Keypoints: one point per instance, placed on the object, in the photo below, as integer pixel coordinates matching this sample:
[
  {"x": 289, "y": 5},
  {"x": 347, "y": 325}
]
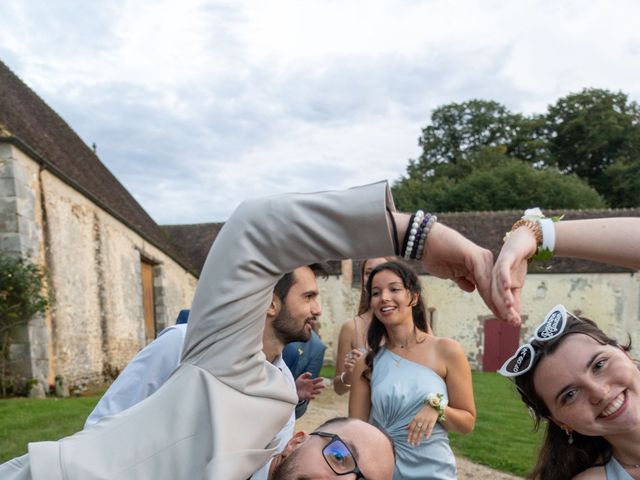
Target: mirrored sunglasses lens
[
  {"x": 339, "y": 457},
  {"x": 552, "y": 327},
  {"x": 521, "y": 361}
]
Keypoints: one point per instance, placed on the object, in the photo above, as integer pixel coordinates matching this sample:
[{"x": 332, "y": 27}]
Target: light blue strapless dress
[{"x": 398, "y": 390}]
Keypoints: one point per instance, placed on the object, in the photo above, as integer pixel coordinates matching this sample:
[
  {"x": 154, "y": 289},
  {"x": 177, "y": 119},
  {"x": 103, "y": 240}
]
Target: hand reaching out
[
  {"x": 509, "y": 272},
  {"x": 448, "y": 254},
  {"x": 308, "y": 388}
]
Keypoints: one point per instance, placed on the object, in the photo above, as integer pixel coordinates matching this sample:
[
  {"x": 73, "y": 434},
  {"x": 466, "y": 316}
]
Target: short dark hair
[{"x": 283, "y": 286}]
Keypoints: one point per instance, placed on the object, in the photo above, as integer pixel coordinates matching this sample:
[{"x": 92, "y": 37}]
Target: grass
[
  {"x": 503, "y": 437},
  {"x": 328, "y": 371},
  {"x": 25, "y": 420}
]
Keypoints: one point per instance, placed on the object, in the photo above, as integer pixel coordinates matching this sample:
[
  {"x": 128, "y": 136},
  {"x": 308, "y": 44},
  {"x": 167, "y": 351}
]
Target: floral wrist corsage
[{"x": 438, "y": 403}]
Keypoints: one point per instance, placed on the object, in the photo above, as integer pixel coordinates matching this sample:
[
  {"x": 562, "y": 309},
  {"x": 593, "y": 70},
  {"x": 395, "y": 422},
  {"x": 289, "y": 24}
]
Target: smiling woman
[
  {"x": 587, "y": 388},
  {"x": 413, "y": 385}
]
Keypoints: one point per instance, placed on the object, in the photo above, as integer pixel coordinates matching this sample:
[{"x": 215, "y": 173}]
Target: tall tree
[
  {"x": 596, "y": 134},
  {"x": 457, "y": 130},
  {"x": 497, "y": 182}
]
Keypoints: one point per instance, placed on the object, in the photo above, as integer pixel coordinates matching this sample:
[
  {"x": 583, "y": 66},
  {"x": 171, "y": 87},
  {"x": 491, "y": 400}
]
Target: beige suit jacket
[{"x": 217, "y": 415}]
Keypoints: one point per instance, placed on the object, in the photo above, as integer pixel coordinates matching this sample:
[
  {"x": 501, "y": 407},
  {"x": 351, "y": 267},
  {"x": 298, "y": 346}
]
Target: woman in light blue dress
[{"x": 413, "y": 385}]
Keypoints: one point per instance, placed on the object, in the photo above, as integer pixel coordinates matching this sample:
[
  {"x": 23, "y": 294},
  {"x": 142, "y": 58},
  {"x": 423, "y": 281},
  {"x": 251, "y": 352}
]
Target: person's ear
[
  {"x": 414, "y": 299},
  {"x": 298, "y": 439},
  {"x": 562, "y": 426},
  {"x": 274, "y": 307}
]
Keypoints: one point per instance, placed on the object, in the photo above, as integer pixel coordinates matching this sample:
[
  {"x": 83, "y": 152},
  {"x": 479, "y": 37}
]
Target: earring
[{"x": 569, "y": 435}]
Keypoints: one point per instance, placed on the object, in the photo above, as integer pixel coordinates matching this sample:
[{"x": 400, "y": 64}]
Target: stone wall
[
  {"x": 612, "y": 300},
  {"x": 21, "y": 235},
  {"x": 93, "y": 264}
]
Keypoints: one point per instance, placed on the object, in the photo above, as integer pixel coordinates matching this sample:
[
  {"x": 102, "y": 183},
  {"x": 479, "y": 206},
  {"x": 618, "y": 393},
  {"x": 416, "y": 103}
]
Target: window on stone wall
[{"x": 148, "y": 300}]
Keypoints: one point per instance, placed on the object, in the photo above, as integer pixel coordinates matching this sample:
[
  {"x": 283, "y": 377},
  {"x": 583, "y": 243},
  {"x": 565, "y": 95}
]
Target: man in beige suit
[{"x": 233, "y": 402}]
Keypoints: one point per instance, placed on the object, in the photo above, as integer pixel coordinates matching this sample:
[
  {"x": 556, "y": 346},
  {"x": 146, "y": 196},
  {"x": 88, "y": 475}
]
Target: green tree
[
  {"x": 458, "y": 130},
  {"x": 498, "y": 182},
  {"x": 596, "y": 135},
  {"x": 21, "y": 297}
]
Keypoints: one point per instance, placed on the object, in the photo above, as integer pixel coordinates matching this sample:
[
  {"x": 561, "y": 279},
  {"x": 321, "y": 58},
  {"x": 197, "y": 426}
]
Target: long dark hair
[
  {"x": 557, "y": 459},
  {"x": 377, "y": 331}
]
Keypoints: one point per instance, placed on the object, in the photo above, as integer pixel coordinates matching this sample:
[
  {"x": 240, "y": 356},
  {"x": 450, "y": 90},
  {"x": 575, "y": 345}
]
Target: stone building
[{"x": 117, "y": 279}]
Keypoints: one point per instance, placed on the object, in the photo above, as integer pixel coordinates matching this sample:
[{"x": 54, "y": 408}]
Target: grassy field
[
  {"x": 24, "y": 420},
  {"x": 502, "y": 438}
]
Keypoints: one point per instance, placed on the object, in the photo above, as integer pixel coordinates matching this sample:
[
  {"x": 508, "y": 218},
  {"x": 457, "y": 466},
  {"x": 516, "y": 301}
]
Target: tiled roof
[
  {"x": 193, "y": 240},
  {"x": 29, "y": 123}
]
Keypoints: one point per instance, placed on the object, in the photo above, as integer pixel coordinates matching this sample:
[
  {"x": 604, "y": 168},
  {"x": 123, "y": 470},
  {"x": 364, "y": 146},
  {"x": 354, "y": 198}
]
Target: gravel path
[{"x": 329, "y": 405}]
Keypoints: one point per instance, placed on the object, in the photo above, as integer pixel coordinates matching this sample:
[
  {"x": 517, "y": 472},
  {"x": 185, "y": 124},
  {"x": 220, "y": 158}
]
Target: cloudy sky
[{"x": 196, "y": 105}]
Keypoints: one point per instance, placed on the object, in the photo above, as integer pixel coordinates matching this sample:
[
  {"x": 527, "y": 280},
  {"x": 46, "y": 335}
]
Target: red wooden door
[{"x": 500, "y": 341}]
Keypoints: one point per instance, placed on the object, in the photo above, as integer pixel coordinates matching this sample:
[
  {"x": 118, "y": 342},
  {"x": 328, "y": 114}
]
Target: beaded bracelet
[
  {"x": 414, "y": 225},
  {"x": 420, "y": 224},
  {"x": 432, "y": 220}
]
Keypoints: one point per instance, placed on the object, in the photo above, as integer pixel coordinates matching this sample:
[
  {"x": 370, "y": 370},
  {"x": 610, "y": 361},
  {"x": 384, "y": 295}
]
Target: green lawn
[
  {"x": 502, "y": 439},
  {"x": 24, "y": 420}
]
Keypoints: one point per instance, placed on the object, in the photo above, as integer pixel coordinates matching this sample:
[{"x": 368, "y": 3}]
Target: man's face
[
  {"x": 300, "y": 308},
  {"x": 372, "y": 450}
]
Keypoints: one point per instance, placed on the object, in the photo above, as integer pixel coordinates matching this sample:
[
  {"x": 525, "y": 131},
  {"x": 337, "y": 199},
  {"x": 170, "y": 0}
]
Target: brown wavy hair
[{"x": 557, "y": 459}]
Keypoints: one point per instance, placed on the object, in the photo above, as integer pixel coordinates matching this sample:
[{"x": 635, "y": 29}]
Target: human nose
[
  {"x": 316, "y": 308},
  {"x": 598, "y": 391}
]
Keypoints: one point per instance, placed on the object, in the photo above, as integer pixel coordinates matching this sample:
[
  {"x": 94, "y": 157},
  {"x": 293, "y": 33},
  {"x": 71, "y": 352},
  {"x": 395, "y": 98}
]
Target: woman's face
[
  {"x": 391, "y": 301},
  {"x": 369, "y": 265},
  {"x": 591, "y": 388}
]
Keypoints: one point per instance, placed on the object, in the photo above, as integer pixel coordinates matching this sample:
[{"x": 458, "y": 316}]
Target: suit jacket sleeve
[
  {"x": 262, "y": 240},
  {"x": 148, "y": 370}
]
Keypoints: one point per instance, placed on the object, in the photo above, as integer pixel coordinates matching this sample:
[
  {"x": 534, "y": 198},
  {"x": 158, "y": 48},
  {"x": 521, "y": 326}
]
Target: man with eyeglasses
[
  {"x": 344, "y": 448},
  {"x": 232, "y": 401}
]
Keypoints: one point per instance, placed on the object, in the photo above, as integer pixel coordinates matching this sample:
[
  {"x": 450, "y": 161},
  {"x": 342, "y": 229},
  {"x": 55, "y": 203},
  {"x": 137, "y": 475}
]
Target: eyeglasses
[
  {"x": 338, "y": 456},
  {"x": 523, "y": 360}
]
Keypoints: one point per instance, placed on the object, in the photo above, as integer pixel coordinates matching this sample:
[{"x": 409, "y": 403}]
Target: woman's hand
[
  {"x": 350, "y": 360},
  {"x": 509, "y": 272},
  {"x": 422, "y": 425}
]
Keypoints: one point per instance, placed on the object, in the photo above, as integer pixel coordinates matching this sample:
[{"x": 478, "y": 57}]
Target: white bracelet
[
  {"x": 548, "y": 234},
  {"x": 342, "y": 380}
]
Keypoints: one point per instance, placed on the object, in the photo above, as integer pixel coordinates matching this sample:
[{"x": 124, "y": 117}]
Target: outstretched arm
[
  {"x": 609, "y": 240},
  {"x": 448, "y": 254}
]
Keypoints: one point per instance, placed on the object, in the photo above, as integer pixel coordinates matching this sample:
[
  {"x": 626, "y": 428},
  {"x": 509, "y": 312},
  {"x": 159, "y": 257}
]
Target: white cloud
[{"x": 197, "y": 104}]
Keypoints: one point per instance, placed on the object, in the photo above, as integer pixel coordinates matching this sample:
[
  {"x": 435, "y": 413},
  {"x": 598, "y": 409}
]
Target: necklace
[
  {"x": 628, "y": 465},
  {"x": 395, "y": 357}
]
